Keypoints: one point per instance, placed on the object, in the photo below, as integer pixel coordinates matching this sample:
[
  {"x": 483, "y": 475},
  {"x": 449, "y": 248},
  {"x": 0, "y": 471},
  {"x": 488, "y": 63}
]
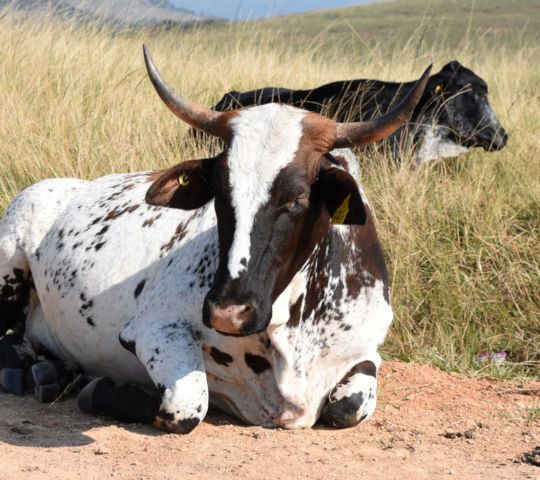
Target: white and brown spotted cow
[{"x": 219, "y": 281}]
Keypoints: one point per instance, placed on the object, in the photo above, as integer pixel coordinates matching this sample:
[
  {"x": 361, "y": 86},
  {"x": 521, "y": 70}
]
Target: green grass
[
  {"x": 461, "y": 235},
  {"x": 385, "y": 29}
]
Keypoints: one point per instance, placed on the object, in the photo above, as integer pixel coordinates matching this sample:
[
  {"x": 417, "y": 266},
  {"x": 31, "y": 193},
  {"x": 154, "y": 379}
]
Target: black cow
[{"x": 453, "y": 115}]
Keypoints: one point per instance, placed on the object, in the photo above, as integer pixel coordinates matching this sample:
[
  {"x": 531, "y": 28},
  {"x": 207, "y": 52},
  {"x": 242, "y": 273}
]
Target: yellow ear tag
[
  {"x": 341, "y": 212},
  {"x": 438, "y": 89},
  {"x": 183, "y": 180}
]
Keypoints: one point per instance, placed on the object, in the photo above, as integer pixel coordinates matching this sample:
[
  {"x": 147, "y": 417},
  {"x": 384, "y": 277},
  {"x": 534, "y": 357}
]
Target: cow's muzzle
[
  {"x": 231, "y": 319},
  {"x": 497, "y": 141}
]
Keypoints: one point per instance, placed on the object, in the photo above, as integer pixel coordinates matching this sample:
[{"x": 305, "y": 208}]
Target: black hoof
[
  {"x": 44, "y": 372},
  {"x": 12, "y": 380},
  {"x": 87, "y": 399},
  {"x": 9, "y": 358},
  {"x": 29, "y": 382},
  {"x": 47, "y": 393},
  {"x": 344, "y": 412}
]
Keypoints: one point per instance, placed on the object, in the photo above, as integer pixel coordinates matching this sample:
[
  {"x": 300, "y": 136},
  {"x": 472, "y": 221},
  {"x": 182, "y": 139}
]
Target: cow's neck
[{"x": 300, "y": 333}]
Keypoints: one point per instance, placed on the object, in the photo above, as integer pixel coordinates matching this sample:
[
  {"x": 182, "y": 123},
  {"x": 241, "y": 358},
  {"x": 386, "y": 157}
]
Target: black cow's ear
[
  {"x": 445, "y": 80},
  {"x": 448, "y": 75},
  {"x": 342, "y": 197},
  {"x": 451, "y": 67},
  {"x": 188, "y": 185}
]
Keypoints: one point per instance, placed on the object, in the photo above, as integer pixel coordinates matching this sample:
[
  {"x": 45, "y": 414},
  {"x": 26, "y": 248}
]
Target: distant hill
[
  {"x": 129, "y": 12},
  {"x": 383, "y": 27}
]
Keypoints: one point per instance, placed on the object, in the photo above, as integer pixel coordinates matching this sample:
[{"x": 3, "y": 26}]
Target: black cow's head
[
  {"x": 457, "y": 97},
  {"x": 275, "y": 189}
]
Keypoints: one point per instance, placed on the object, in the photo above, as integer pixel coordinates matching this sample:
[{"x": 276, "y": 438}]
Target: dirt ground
[{"x": 428, "y": 425}]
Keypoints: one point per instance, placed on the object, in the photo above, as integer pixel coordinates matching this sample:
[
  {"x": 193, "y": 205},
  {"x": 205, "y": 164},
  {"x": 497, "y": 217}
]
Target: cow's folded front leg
[
  {"x": 172, "y": 354},
  {"x": 127, "y": 403},
  {"x": 354, "y": 398}
]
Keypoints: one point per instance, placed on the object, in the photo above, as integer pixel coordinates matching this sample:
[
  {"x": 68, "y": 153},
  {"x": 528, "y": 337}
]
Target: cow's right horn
[
  {"x": 360, "y": 133},
  {"x": 198, "y": 117}
]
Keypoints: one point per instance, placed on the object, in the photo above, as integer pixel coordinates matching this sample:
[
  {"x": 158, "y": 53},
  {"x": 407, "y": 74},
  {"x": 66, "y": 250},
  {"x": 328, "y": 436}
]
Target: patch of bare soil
[{"x": 428, "y": 425}]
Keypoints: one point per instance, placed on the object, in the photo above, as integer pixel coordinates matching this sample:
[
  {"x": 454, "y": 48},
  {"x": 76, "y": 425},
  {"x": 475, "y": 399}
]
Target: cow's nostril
[{"x": 229, "y": 318}]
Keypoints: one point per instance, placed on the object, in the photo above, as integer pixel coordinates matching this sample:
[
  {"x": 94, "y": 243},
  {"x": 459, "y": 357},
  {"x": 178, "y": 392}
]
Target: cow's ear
[
  {"x": 451, "y": 67},
  {"x": 342, "y": 197},
  {"x": 187, "y": 185},
  {"x": 447, "y": 77}
]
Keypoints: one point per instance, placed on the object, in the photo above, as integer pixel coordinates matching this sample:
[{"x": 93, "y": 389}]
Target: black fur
[{"x": 455, "y": 99}]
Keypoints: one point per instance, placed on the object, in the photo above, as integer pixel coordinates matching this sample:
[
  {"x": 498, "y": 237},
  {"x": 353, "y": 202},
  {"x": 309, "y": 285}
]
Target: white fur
[
  {"x": 265, "y": 141},
  {"x": 435, "y": 146},
  {"x": 489, "y": 113}
]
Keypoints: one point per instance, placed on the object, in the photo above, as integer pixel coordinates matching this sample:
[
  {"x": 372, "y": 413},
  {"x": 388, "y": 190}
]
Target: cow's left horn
[
  {"x": 361, "y": 133},
  {"x": 193, "y": 114}
]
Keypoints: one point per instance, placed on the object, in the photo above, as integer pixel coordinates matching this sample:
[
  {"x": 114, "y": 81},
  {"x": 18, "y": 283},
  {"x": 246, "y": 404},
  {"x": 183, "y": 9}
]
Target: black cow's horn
[
  {"x": 193, "y": 114},
  {"x": 360, "y": 133}
]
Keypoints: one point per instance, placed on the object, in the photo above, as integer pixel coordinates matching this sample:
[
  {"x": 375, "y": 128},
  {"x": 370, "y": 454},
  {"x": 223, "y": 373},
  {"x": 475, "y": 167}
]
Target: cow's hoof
[
  {"x": 345, "y": 413},
  {"x": 9, "y": 358},
  {"x": 12, "y": 380},
  {"x": 181, "y": 427},
  {"x": 47, "y": 393},
  {"x": 29, "y": 382},
  {"x": 88, "y": 399},
  {"x": 44, "y": 373}
]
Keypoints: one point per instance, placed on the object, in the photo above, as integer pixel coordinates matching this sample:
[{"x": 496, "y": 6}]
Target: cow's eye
[
  {"x": 438, "y": 89},
  {"x": 183, "y": 180},
  {"x": 299, "y": 205}
]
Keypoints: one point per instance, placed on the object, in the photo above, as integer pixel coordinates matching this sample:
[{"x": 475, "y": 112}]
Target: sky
[{"x": 251, "y": 9}]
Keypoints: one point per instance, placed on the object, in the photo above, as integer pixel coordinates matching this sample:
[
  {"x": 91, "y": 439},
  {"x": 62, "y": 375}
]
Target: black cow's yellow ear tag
[
  {"x": 438, "y": 88},
  {"x": 341, "y": 212}
]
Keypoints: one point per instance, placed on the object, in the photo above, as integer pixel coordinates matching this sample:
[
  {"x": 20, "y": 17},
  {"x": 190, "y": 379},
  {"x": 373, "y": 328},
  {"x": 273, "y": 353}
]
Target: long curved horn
[
  {"x": 360, "y": 133},
  {"x": 193, "y": 114}
]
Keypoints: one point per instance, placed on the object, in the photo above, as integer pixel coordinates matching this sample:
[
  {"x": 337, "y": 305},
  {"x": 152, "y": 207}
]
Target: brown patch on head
[
  {"x": 317, "y": 140},
  {"x": 151, "y": 176},
  {"x": 319, "y": 131},
  {"x": 224, "y": 130}
]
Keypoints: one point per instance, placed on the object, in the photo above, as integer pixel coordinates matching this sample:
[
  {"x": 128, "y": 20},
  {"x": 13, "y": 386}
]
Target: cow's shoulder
[{"x": 109, "y": 235}]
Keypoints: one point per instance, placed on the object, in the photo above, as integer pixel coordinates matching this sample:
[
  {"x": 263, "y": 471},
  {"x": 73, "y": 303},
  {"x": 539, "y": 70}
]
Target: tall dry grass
[{"x": 461, "y": 235}]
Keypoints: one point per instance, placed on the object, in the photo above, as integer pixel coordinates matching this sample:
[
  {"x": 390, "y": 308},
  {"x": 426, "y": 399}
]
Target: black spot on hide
[
  {"x": 220, "y": 357},
  {"x": 139, "y": 288},
  {"x": 257, "y": 363},
  {"x": 14, "y": 298}
]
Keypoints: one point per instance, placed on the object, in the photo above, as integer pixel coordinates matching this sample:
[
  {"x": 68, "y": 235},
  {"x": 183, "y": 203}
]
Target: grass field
[{"x": 461, "y": 235}]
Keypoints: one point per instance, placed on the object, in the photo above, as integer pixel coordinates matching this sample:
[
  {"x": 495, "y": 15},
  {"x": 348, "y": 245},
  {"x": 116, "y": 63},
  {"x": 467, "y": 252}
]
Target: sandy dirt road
[{"x": 428, "y": 425}]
